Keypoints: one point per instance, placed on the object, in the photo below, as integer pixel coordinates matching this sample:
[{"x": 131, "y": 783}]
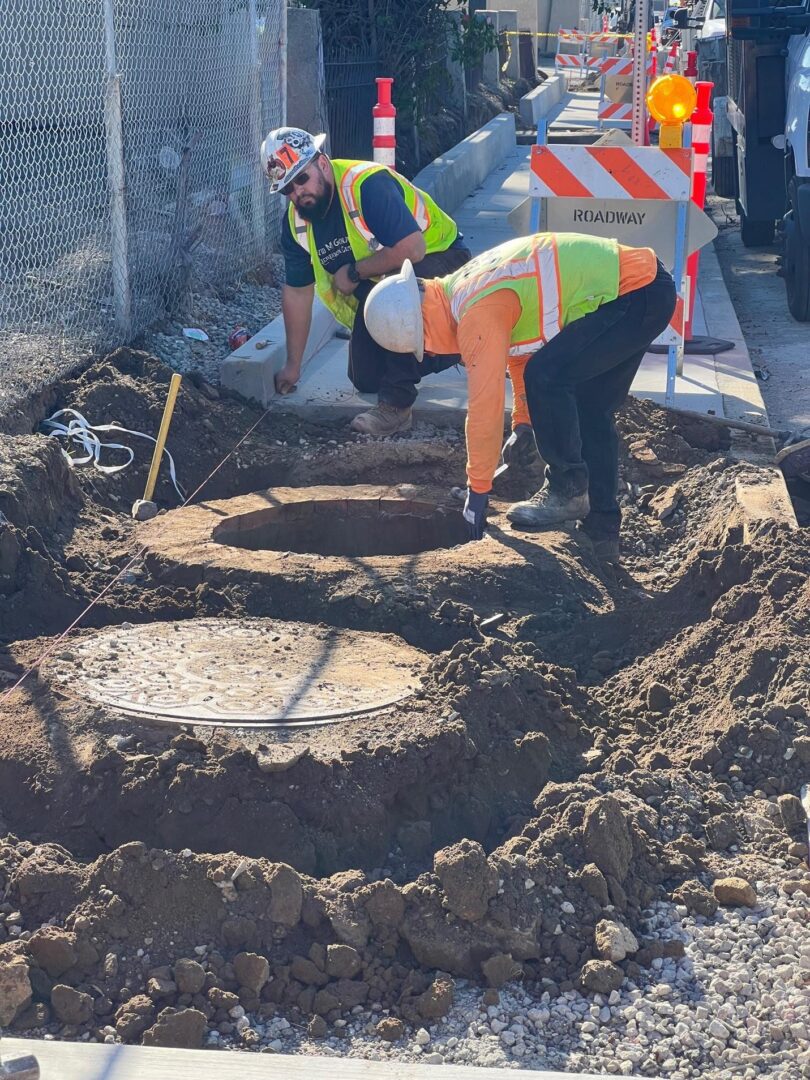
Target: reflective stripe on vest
[
  {"x": 349, "y": 190},
  {"x": 542, "y": 265}
]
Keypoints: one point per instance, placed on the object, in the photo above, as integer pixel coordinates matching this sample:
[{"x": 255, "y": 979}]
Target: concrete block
[
  {"x": 508, "y": 25},
  {"x": 450, "y": 178},
  {"x": 539, "y": 102},
  {"x": 491, "y": 64},
  {"x": 249, "y": 370}
]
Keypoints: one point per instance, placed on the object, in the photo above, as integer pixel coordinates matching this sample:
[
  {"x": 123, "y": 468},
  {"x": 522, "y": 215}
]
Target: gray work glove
[{"x": 520, "y": 449}]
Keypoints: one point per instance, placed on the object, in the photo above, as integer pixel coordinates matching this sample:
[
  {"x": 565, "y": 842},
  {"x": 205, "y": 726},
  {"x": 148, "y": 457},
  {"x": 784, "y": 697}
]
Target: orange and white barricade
[
  {"x": 610, "y": 112},
  {"x": 624, "y": 186}
]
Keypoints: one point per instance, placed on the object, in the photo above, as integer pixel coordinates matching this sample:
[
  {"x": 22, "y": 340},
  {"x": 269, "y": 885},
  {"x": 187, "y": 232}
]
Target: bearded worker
[
  {"x": 570, "y": 317},
  {"x": 348, "y": 223}
]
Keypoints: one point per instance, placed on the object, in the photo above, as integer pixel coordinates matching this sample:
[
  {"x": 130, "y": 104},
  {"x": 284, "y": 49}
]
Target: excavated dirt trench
[{"x": 496, "y": 791}]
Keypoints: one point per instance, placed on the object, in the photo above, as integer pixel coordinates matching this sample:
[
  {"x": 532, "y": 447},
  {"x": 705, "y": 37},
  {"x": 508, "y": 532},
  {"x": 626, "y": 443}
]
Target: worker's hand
[
  {"x": 287, "y": 379},
  {"x": 340, "y": 279},
  {"x": 520, "y": 449},
  {"x": 475, "y": 514}
]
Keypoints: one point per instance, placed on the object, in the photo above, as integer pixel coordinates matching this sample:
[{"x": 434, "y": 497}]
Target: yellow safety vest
[
  {"x": 558, "y": 277},
  {"x": 438, "y": 228}
]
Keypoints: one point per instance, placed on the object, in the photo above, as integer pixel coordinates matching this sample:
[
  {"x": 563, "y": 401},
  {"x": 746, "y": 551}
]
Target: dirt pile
[{"x": 623, "y": 737}]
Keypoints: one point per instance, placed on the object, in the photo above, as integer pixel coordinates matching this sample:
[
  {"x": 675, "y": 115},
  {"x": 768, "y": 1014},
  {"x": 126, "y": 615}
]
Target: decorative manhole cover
[{"x": 249, "y": 671}]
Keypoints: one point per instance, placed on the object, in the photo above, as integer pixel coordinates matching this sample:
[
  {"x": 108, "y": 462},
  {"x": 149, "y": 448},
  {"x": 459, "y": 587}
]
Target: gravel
[{"x": 736, "y": 1006}]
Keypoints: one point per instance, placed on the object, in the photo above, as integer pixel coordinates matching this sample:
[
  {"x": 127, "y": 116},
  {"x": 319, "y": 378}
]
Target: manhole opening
[{"x": 354, "y": 527}]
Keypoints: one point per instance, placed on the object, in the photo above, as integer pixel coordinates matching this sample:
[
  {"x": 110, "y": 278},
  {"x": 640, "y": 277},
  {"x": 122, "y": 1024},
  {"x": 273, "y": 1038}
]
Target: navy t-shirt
[{"x": 385, "y": 212}]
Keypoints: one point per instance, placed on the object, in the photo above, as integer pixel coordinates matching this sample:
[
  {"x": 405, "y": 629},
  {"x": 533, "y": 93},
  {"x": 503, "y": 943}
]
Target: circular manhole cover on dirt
[{"x": 244, "y": 672}]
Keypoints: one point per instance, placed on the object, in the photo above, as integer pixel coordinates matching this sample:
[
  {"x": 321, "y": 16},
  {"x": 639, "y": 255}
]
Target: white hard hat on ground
[
  {"x": 393, "y": 313},
  {"x": 286, "y": 151}
]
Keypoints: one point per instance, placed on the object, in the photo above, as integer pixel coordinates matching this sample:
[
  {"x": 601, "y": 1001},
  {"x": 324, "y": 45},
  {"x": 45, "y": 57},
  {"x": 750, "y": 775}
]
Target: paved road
[{"x": 779, "y": 346}]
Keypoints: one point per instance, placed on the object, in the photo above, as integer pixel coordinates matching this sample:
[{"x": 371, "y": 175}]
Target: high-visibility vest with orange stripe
[
  {"x": 558, "y": 277},
  {"x": 438, "y": 229}
]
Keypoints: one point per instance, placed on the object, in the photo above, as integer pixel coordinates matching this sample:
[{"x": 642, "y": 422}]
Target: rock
[
  {"x": 349, "y": 992},
  {"x": 613, "y": 941},
  {"x": 134, "y": 1017},
  {"x": 469, "y": 882},
  {"x": 792, "y": 811},
  {"x": 71, "y": 1006},
  {"x": 501, "y": 969},
  {"x": 15, "y": 989},
  {"x": 696, "y": 898},
  {"x": 282, "y": 757},
  {"x": 286, "y": 895},
  {"x": 607, "y": 837},
  {"x": 802, "y": 747},
  {"x": 182, "y": 1029},
  {"x": 600, "y": 977},
  {"x": 342, "y": 961},
  {"x": 390, "y": 1029},
  {"x": 385, "y": 903},
  {"x": 664, "y": 503},
  {"x": 437, "y": 1000},
  {"x": 722, "y": 832},
  {"x": 189, "y": 976},
  {"x": 159, "y": 987},
  {"x": 325, "y": 1002},
  {"x": 54, "y": 950},
  {"x": 252, "y": 971},
  {"x": 317, "y": 1028},
  {"x": 734, "y": 892},
  {"x": 593, "y": 882},
  {"x": 659, "y": 698},
  {"x": 305, "y": 971}
]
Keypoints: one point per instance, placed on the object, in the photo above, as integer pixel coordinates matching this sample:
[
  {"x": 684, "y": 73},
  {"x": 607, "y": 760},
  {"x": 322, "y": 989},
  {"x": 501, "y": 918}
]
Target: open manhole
[
  {"x": 356, "y": 527},
  {"x": 246, "y": 672}
]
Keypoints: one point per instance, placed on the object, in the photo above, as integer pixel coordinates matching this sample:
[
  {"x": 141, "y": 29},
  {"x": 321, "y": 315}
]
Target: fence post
[
  {"x": 640, "y": 72},
  {"x": 116, "y": 177},
  {"x": 384, "y": 140},
  {"x": 257, "y": 185}
]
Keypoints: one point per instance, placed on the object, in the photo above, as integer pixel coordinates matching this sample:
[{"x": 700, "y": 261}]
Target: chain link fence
[{"x": 129, "y": 162}]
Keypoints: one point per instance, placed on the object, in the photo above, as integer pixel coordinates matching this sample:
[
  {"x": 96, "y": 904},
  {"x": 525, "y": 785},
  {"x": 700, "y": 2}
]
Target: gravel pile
[
  {"x": 251, "y": 305},
  {"x": 734, "y": 1006}
]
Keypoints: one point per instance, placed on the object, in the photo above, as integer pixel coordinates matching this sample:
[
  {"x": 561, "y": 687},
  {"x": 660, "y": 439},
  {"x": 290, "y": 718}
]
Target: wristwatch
[{"x": 352, "y": 274}]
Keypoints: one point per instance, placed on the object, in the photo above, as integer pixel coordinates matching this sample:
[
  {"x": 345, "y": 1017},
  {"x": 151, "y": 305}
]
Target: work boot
[
  {"x": 603, "y": 532},
  {"x": 547, "y": 507},
  {"x": 383, "y": 419}
]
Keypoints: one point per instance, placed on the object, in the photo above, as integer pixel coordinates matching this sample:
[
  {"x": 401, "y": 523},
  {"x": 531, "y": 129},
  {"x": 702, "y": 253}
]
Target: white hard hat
[
  {"x": 285, "y": 152},
  {"x": 393, "y": 313}
]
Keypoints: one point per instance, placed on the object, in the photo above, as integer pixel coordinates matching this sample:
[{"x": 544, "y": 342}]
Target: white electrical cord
[{"x": 82, "y": 435}]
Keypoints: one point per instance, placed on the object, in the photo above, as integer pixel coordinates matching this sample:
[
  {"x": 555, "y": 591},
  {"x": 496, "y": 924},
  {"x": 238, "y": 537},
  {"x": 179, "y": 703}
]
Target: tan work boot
[{"x": 382, "y": 420}]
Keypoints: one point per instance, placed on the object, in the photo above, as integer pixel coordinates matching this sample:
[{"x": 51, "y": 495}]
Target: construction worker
[
  {"x": 349, "y": 223},
  {"x": 570, "y": 317}
]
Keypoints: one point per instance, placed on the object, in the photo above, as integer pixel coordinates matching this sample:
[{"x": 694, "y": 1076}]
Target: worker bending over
[
  {"x": 348, "y": 223},
  {"x": 571, "y": 317}
]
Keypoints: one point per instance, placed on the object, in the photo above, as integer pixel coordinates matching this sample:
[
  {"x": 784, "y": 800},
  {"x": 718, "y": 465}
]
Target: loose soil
[{"x": 624, "y": 734}]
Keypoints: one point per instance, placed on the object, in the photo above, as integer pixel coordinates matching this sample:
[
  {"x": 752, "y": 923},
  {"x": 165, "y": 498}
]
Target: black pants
[
  {"x": 393, "y": 376},
  {"x": 575, "y": 383}
]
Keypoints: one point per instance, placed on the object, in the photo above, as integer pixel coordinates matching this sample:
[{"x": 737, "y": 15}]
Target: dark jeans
[
  {"x": 393, "y": 376},
  {"x": 575, "y": 383}
]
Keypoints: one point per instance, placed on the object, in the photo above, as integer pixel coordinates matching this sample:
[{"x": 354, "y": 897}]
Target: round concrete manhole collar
[{"x": 246, "y": 672}]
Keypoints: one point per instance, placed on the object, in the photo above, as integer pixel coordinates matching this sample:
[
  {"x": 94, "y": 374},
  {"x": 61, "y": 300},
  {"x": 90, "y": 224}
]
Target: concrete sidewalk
[{"x": 723, "y": 385}]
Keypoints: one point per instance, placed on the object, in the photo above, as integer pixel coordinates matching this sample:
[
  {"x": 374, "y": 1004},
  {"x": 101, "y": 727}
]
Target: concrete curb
[
  {"x": 249, "y": 370},
  {"x": 539, "y": 102},
  {"x": 449, "y": 179}
]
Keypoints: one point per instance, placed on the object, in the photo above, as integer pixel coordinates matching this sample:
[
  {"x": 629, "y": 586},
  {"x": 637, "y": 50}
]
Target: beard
[{"x": 316, "y": 207}]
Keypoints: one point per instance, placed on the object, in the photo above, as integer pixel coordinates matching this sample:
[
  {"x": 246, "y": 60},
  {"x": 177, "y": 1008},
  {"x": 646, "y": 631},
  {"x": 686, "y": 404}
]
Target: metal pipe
[{"x": 116, "y": 176}]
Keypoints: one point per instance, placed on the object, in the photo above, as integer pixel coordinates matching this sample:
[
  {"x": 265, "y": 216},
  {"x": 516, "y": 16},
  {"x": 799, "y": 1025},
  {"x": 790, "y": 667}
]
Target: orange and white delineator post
[
  {"x": 701, "y": 139},
  {"x": 384, "y": 140}
]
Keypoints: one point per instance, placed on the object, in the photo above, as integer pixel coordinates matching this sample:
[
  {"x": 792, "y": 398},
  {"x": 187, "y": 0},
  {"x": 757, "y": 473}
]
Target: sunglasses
[{"x": 297, "y": 181}]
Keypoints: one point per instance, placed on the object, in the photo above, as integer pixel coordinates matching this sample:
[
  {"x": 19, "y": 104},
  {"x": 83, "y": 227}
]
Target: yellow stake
[{"x": 163, "y": 434}]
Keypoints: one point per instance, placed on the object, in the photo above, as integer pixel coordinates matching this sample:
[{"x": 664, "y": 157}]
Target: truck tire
[
  {"x": 796, "y": 262},
  {"x": 755, "y": 233}
]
